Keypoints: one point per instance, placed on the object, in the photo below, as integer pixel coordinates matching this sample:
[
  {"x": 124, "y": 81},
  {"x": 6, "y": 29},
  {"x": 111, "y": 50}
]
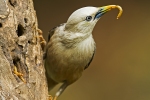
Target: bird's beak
[{"x": 104, "y": 9}]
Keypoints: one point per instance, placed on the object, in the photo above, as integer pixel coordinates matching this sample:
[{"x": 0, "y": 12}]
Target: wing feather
[
  {"x": 90, "y": 59},
  {"x": 50, "y": 34},
  {"x": 52, "y": 31}
]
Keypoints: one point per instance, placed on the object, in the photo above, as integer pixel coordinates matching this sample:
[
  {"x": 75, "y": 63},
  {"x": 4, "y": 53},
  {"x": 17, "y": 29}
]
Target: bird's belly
[{"x": 67, "y": 66}]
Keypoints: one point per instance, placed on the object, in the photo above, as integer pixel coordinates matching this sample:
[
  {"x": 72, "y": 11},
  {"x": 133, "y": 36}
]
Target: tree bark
[{"x": 20, "y": 47}]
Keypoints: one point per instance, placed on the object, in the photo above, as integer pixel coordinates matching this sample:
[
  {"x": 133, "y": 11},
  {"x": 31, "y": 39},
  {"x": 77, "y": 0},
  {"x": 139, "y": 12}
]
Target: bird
[{"x": 71, "y": 47}]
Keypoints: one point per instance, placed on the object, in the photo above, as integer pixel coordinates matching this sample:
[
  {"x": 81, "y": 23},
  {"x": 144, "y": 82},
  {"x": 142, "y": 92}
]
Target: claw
[
  {"x": 50, "y": 97},
  {"x": 42, "y": 40},
  {"x": 20, "y": 75}
]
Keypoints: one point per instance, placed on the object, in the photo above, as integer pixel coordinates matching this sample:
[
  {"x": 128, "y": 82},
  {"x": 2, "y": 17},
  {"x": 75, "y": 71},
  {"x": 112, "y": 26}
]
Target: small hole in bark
[
  {"x": 20, "y": 30},
  {"x": 20, "y": 46},
  {"x": 29, "y": 42},
  {"x": 13, "y": 2},
  {"x": 1, "y": 25},
  {"x": 15, "y": 61},
  {"x": 25, "y": 20},
  {"x": 36, "y": 59}
]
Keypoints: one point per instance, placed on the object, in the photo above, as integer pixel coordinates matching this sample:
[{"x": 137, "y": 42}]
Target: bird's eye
[{"x": 88, "y": 18}]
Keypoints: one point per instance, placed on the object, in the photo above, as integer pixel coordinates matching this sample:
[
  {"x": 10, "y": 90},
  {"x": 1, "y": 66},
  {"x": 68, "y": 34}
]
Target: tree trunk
[{"x": 20, "y": 47}]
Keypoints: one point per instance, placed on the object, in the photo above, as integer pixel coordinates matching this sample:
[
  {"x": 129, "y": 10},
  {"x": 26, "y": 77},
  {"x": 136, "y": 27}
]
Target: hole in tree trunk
[
  {"x": 1, "y": 25},
  {"x": 20, "y": 30},
  {"x": 13, "y": 2},
  {"x": 25, "y": 20},
  {"x": 36, "y": 59},
  {"x": 29, "y": 42},
  {"x": 16, "y": 62}
]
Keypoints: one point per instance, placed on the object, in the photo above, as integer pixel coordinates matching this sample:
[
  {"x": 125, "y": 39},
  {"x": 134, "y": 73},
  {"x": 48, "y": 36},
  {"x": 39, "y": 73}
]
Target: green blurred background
[{"x": 121, "y": 67}]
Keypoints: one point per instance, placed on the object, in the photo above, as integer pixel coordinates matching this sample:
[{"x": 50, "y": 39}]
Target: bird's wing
[
  {"x": 50, "y": 34},
  {"x": 52, "y": 31},
  {"x": 90, "y": 59}
]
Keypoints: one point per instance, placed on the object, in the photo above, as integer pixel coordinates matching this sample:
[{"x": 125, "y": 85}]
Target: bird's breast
[{"x": 69, "y": 63}]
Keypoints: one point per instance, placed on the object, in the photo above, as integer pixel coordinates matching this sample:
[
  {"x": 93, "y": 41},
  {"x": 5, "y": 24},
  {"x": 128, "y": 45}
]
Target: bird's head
[{"x": 84, "y": 19}]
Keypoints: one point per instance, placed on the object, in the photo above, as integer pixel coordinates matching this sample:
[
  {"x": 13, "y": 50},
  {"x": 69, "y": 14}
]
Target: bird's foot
[
  {"x": 42, "y": 40},
  {"x": 20, "y": 75},
  {"x": 51, "y": 98}
]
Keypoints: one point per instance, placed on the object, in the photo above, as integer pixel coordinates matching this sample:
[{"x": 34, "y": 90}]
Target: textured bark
[{"x": 20, "y": 47}]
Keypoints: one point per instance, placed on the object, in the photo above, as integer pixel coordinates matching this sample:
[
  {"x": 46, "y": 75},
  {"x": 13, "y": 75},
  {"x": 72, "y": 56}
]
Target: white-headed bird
[{"x": 71, "y": 46}]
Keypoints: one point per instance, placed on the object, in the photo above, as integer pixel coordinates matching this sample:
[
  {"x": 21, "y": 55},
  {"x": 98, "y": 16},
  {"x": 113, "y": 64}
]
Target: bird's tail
[{"x": 51, "y": 83}]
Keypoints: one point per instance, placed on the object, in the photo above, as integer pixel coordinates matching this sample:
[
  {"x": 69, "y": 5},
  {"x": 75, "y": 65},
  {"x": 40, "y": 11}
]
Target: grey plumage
[
  {"x": 51, "y": 82},
  {"x": 71, "y": 47}
]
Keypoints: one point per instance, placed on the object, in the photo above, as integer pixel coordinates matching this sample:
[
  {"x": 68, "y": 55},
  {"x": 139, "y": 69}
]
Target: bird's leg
[
  {"x": 55, "y": 98},
  {"x": 20, "y": 75},
  {"x": 42, "y": 40},
  {"x": 60, "y": 91}
]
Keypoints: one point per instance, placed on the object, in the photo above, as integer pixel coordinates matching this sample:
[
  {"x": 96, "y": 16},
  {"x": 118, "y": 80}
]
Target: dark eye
[{"x": 88, "y": 18}]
